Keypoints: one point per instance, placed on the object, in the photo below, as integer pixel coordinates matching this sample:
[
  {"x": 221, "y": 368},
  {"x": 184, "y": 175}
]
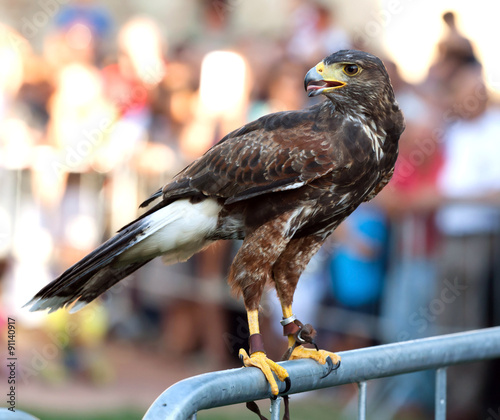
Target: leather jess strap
[{"x": 256, "y": 343}]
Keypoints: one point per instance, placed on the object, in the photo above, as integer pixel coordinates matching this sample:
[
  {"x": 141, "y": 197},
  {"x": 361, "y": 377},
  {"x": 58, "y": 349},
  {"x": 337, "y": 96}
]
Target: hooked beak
[{"x": 315, "y": 84}]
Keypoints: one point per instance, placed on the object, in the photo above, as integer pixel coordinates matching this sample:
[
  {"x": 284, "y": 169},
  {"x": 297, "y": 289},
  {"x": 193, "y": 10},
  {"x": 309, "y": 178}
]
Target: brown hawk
[{"x": 282, "y": 183}]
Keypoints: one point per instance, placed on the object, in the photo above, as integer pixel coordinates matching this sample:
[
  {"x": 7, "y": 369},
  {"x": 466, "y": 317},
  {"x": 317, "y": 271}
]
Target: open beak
[{"x": 315, "y": 84}]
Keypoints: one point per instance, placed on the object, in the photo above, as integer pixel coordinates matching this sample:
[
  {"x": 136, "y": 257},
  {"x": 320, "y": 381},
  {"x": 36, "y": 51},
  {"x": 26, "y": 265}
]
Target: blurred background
[{"x": 103, "y": 102}]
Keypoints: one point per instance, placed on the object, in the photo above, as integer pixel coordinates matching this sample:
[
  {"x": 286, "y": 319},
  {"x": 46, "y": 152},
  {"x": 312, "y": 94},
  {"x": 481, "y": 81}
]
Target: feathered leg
[
  {"x": 286, "y": 274},
  {"x": 251, "y": 269}
]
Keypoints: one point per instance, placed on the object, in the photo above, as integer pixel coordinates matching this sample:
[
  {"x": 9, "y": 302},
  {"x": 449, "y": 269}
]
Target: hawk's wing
[{"x": 277, "y": 152}]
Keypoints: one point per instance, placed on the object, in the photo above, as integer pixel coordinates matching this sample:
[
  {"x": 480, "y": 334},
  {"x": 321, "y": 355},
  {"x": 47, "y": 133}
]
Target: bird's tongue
[
  {"x": 316, "y": 86},
  {"x": 322, "y": 84}
]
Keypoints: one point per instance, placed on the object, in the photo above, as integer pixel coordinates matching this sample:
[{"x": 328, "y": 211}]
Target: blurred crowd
[{"x": 92, "y": 124}]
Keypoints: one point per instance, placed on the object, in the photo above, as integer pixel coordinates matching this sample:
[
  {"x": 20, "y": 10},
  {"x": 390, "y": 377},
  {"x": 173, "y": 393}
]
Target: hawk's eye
[{"x": 351, "y": 69}]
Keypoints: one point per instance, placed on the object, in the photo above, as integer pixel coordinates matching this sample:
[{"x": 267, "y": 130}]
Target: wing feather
[{"x": 278, "y": 152}]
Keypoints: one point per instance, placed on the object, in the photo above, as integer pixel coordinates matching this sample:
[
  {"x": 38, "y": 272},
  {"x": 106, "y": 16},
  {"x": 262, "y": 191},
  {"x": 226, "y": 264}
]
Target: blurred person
[
  {"x": 13, "y": 51},
  {"x": 132, "y": 162},
  {"x": 469, "y": 222},
  {"x": 76, "y": 343},
  {"x": 315, "y": 32},
  {"x": 453, "y": 51},
  {"x": 213, "y": 29},
  {"x": 78, "y": 106},
  {"x": 19, "y": 137},
  {"x": 207, "y": 116},
  {"x": 88, "y": 12},
  {"x": 65, "y": 189},
  {"x": 80, "y": 124},
  {"x": 80, "y": 340},
  {"x": 64, "y": 46},
  {"x": 218, "y": 111},
  {"x": 32, "y": 100},
  {"x": 128, "y": 86},
  {"x": 140, "y": 67},
  {"x": 470, "y": 184},
  {"x": 180, "y": 87},
  {"x": 411, "y": 200},
  {"x": 80, "y": 31},
  {"x": 159, "y": 100},
  {"x": 283, "y": 90},
  {"x": 66, "y": 206},
  {"x": 357, "y": 267},
  {"x": 16, "y": 136}
]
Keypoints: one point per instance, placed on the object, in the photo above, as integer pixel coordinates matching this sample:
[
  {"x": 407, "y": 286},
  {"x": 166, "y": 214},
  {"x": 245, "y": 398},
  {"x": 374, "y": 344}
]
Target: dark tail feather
[{"x": 94, "y": 274}]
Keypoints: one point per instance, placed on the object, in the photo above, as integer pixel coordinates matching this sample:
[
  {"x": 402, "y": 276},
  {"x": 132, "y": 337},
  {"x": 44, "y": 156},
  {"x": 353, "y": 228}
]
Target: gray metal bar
[
  {"x": 440, "y": 404},
  {"x": 17, "y": 415},
  {"x": 275, "y": 408},
  {"x": 234, "y": 386},
  {"x": 362, "y": 401}
]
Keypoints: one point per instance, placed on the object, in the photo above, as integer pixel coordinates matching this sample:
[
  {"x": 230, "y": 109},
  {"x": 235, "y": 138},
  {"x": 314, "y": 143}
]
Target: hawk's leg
[
  {"x": 286, "y": 273},
  {"x": 258, "y": 356},
  {"x": 251, "y": 269}
]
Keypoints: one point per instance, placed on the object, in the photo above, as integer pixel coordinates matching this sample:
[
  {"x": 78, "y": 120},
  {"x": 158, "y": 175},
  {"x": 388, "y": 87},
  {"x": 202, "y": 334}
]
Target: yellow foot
[
  {"x": 267, "y": 366},
  {"x": 321, "y": 356}
]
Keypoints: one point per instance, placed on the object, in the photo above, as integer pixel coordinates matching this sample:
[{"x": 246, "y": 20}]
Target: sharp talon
[
  {"x": 288, "y": 384},
  {"x": 330, "y": 367},
  {"x": 242, "y": 359},
  {"x": 315, "y": 345}
]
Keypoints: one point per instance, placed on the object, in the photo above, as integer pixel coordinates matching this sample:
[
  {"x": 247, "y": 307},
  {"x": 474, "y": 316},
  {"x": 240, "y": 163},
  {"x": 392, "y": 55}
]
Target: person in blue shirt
[{"x": 358, "y": 263}]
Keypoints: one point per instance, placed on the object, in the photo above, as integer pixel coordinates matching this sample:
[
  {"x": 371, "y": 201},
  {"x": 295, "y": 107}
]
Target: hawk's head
[{"x": 351, "y": 78}]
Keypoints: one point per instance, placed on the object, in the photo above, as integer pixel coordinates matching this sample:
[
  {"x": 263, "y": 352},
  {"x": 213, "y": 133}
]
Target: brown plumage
[
  {"x": 282, "y": 183},
  {"x": 295, "y": 175}
]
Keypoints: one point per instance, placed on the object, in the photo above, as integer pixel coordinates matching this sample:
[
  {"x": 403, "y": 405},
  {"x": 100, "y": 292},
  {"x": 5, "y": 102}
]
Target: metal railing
[{"x": 184, "y": 399}]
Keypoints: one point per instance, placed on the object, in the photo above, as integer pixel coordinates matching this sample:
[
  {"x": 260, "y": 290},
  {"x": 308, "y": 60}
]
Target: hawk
[{"x": 281, "y": 184}]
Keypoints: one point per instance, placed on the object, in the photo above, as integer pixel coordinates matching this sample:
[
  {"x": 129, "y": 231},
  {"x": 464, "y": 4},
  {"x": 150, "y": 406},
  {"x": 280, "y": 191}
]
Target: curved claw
[
  {"x": 315, "y": 345},
  {"x": 337, "y": 365},
  {"x": 321, "y": 356},
  {"x": 331, "y": 367},
  {"x": 288, "y": 384}
]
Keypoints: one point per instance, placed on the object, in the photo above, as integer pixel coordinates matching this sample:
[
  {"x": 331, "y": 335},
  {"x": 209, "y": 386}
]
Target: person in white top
[{"x": 469, "y": 221}]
